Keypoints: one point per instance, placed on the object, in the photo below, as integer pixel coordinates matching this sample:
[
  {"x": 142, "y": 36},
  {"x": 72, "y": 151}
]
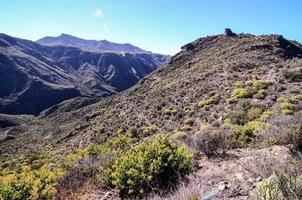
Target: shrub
[
  {"x": 242, "y": 93},
  {"x": 170, "y": 111},
  {"x": 262, "y": 92},
  {"x": 148, "y": 166},
  {"x": 297, "y": 97},
  {"x": 284, "y": 130},
  {"x": 237, "y": 116},
  {"x": 254, "y": 113},
  {"x": 281, "y": 186},
  {"x": 262, "y": 84},
  {"x": 239, "y": 84},
  {"x": 292, "y": 75},
  {"x": 243, "y": 136},
  {"x": 213, "y": 99},
  {"x": 150, "y": 130},
  {"x": 265, "y": 116},
  {"x": 188, "y": 110},
  {"x": 211, "y": 141},
  {"x": 29, "y": 183},
  {"x": 287, "y": 106},
  {"x": 287, "y": 112},
  {"x": 201, "y": 103},
  {"x": 179, "y": 135},
  {"x": 186, "y": 128},
  {"x": 189, "y": 121}
]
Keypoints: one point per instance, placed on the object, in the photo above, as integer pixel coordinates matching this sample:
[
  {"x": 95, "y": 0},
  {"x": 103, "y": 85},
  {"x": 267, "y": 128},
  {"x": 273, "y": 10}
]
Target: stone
[
  {"x": 229, "y": 32},
  {"x": 224, "y": 185}
]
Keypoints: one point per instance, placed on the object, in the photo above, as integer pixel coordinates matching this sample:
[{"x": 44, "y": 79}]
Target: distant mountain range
[
  {"x": 89, "y": 45},
  {"x": 34, "y": 77}
]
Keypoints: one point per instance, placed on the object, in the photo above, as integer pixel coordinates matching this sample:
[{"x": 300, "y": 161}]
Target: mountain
[
  {"x": 89, "y": 45},
  {"x": 35, "y": 77},
  {"x": 239, "y": 89}
]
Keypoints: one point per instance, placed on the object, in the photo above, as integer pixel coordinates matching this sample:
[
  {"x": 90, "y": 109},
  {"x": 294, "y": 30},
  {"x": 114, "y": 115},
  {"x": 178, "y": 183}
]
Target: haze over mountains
[{"x": 35, "y": 77}]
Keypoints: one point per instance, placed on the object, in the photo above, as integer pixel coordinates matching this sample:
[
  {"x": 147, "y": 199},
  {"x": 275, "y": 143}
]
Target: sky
[{"x": 161, "y": 26}]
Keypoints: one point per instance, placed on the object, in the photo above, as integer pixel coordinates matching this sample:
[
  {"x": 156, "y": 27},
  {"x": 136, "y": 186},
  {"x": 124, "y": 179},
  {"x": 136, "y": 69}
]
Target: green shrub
[
  {"x": 150, "y": 130},
  {"x": 281, "y": 186},
  {"x": 179, "y": 135},
  {"x": 212, "y": 100},
  {"x": 243, "y": 93},
  {"x": 29, "y": 183},
  {"x": 254, "y": 113},
  {"x": 201, "y": 103},
  {"x": 188, "y": 110},
  {"x": 237, "y": 116},
  {"x": 189, "y": 121},
  {"x": 243, "y": 136},
  {"x": 297, "y": 97},
  {"x": 239, "y": 84},
  {"x": 287, "y": 106},
  {"x": 292, "y": 75},
  {"x": 287, "y": 112},
  {"x": 262, "y": 84},
  {"x": 265, "y": 116},
  {"x": 170, "y": 111},
  {"x": 149, "y": 165},
  {"x": 262, "y": 92},
  {"x": 186, "y": 128}
]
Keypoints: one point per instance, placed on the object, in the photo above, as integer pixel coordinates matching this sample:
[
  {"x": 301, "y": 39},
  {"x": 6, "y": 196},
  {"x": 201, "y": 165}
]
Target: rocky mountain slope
[
  {"x": 89, "y": 45},
  {"x": 245, "y": 86},
  {"x": 35, "y": 77}
]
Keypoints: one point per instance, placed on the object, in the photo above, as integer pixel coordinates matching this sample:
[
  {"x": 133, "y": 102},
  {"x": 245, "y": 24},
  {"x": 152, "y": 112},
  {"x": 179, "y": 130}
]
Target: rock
[
  {"x": 188, "y": 47},
  {"x": 229, "y": 32},
  {"x": 224, "y": 185}
]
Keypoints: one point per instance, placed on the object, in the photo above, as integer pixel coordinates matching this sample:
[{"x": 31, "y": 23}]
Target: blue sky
[{"x": 158, "y": 25}]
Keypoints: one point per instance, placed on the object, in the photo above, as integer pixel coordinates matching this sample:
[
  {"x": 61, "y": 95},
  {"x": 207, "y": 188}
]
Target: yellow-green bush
[
  {"x": 254, "y": 113},
  {"x": 262, "y": 92},
  {"x": 262, "y": 84},
  {"x": 239, "y": 84},
  {"x": 297, "y": 97},
  {"x": 186, "y": 128},
  {"x": 170, "y": 111},
  {"x": 244, "y": 135},
  {"x": 213, "y": 99},
  {"x": 179, "y": 135},
  {"x": 281, "y": 186},
  {"x": 149, "y": 165},
  {"x": 265, "y": 116},
  {"x": 189, "y": 121},
  {"x": 243, "y": 93},
  {"x": 287, "y": 108},
  {"x": 149, "y": 130},
  {"x": 29, "y": 183}
]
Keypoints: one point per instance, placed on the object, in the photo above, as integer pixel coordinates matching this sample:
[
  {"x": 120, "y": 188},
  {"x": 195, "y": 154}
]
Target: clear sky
[{"x": 158, "y": 25}]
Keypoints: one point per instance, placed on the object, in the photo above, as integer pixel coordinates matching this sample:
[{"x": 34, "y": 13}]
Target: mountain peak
[{"x": 90, "y": 45}]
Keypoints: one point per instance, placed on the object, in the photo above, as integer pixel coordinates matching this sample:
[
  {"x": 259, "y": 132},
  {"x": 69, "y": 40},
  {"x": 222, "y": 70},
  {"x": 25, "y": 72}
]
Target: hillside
[
  {"x": 35, "y": 77},
  {"x": 244, "y": 86}
]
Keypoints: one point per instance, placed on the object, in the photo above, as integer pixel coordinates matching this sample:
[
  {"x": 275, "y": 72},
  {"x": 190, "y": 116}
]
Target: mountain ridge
[
  {"x": 90, "y": 45},
  {"x": 29, "y": 71}
]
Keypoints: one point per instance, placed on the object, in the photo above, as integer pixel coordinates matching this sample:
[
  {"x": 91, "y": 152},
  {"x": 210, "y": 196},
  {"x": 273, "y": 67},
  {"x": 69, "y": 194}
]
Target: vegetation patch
[
  {"x": 262, "y": 84},
  {"x": 243, "y": 93},
  {"x": 212, "y": 100},
  {"x": 149, "y": 165}
]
